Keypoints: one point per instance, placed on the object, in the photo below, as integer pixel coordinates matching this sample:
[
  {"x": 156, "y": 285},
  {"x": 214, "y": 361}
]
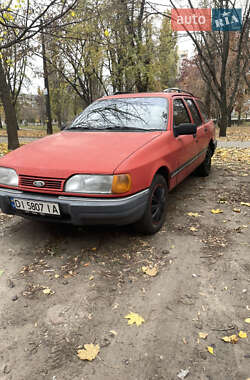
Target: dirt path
[{"x": 96, "y": 279}]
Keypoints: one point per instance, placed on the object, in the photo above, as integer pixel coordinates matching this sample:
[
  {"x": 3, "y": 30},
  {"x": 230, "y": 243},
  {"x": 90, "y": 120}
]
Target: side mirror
[{"x": 185, "y": 129}]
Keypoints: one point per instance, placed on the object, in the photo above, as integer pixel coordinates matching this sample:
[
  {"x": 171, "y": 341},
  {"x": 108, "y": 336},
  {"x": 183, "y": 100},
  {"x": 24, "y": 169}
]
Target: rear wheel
[
  {"x": 155, "y": 212},
  {"x": 204, "y": 169}
]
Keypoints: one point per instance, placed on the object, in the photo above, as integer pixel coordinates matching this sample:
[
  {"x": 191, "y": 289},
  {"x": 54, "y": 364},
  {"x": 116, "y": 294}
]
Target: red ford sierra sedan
[{"x": 115, "y": 164}]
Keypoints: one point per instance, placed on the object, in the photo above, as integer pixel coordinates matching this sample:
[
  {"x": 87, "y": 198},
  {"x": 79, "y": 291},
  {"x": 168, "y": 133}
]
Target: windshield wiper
[
  {"x": 114, "y": 128},
  {"x": 120, "y": 128}
]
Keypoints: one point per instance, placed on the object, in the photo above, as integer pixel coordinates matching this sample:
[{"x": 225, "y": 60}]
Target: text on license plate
[{"x": 35, "y": 206}]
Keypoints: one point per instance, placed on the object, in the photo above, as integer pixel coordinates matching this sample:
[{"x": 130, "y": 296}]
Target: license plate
[{"x": 35, "y": 206}]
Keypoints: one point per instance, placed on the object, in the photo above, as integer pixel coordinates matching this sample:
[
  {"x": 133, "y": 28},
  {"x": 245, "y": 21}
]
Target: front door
[{"x": 186, "y": 144}]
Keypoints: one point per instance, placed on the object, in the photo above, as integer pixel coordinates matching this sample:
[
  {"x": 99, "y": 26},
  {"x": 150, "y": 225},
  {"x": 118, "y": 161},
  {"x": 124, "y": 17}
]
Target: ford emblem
[{"x": 39, "y": 183}]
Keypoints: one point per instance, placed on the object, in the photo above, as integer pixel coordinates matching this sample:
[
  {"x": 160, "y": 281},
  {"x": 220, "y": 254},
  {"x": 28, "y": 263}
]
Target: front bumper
[{"x": 79, "y": 210}]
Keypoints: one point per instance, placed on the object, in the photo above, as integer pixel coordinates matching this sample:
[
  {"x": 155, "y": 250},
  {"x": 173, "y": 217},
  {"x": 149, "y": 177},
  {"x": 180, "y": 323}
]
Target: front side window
[
  {"x": 180, "y": 114},
  {"x": 121, "y": 114},
  {"x": 194, "y": 112}
]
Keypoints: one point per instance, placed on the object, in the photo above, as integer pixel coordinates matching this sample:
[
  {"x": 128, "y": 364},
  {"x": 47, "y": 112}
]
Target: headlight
[
  {"x": 8, "y": 177},
  {"x": 98, "y": 184}
]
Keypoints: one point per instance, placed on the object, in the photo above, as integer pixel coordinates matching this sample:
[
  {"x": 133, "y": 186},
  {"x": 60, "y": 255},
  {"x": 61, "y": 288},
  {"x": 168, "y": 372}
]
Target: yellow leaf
[
  {"x": 152, "y": 272},
  {"x": 210, "y": 350},
  {"x": 193, "y": 229},
  {"x": 247, "y": 320},
  {"x": 230, "y": 339},
  {"x": 73, "y": 14},
  {"x": 242, "y": 334},
  {"x": 236, "y": 210},
  {"x": 106, "y": 33},
  {"x": 89, "y": 353},
  {"x": 217, "y": 211},
  {"x": 203, "y": 335},
  {"x": 245, "y": 204},
  {"x": 47, "y": 291},
  {"x": 57, "y": 275},
  {"x": 134, "y": 318},
  {"x": 194, "y": 214},
  {"x": 91, "y": 278}
]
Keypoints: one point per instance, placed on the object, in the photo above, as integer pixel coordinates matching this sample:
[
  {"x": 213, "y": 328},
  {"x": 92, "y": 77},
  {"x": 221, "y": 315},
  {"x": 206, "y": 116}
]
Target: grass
[
  {"x": 236, "y": 133},
  {"x": 30, "y": 130}
]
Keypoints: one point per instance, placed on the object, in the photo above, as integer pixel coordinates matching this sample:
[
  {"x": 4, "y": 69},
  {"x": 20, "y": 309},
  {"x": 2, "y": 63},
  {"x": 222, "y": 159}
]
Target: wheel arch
[{"x": 164, "y": 171}]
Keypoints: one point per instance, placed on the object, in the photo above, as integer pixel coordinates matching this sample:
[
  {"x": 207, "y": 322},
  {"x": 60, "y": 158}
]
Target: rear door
[{"x": 186, "y": 145}]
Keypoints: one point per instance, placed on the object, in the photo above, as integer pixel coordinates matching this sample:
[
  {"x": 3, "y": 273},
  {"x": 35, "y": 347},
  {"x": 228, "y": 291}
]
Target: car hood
[{"x": 67, "y": 153}]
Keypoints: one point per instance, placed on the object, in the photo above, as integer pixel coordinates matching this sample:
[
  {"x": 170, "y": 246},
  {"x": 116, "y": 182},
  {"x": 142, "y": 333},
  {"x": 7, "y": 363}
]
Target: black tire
[
  {"x": 204, "y": 169},
  {"x": 155, "y": 212}
]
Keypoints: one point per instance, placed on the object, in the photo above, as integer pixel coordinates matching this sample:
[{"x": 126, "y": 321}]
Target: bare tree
[
  {"x": 22, "y": 24},
  {"x": 32, "y": 17},
  {"x": 223, "y": 58}
]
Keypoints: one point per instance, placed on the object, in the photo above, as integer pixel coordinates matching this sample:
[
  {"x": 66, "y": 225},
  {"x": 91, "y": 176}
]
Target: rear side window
[
  {"x": 180, "y": 114},
  {"x": 203, "y": 110},
  {"x": 194, "y": 112}
]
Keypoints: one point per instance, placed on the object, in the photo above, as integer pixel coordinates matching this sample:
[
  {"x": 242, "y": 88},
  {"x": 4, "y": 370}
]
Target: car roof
[{"x": 159, "y": 94}]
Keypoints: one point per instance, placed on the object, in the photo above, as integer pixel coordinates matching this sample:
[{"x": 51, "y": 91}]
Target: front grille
[{"x": 50, "y": 183}]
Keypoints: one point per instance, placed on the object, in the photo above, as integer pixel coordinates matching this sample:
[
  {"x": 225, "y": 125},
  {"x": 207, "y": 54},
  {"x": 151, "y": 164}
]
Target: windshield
[{"x": 124, "y": 114}]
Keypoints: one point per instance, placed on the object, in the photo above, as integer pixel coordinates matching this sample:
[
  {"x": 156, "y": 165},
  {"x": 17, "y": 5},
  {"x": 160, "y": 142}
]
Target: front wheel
[{"x": 156, "y": 208}]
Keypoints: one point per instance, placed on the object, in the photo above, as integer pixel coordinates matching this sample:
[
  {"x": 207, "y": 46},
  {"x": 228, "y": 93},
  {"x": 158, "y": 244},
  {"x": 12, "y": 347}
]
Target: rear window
[{"x": 124, "y": 114}]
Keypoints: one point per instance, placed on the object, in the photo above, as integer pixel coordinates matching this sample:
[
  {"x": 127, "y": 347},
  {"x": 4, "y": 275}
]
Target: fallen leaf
[
  {"x": 1, "y": 272},
  {"x": 183, "y": 374},
  {"x": 194, "y": 214},
  {"x": 93, "y": 249},
  {"x": 86, "y": 265},
  {"x": 203, "y": 335},
  {"x": 152, "y": 272},
  {"x": 247, "y": 320},
  {"x": 242, "y": 334},
  {"x": 89, "y": 353},
  {"x": 210, "y": 350},
  {"x": 230, "y": 339},
  {"x": 134, "y": 318},
  {"x": 91, "y": 278},
  {"x": 245, "y": 204},
  {"x": 57, "y": 275},
  {"x": 47, "y": 291},
  {"x": 216, "y": 211},
  {"x": 113, "y": 332},
  {"x": 193, "y": 229},
  {"x": 236, "y": 210}
]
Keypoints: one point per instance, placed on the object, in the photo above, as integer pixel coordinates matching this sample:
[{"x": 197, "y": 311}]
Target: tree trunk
[
  {"x": 208, "y": 101},
  {"x": 59, "y": 120},
  {"x": 1, "y": 125},
  {"x": 46, "y": 85},
  {"x": 9, "y": 110},
  {"x": 239, "y": 117},
  {"x": 229, "y": 122},
  {"x": 223, "y": 122}
]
